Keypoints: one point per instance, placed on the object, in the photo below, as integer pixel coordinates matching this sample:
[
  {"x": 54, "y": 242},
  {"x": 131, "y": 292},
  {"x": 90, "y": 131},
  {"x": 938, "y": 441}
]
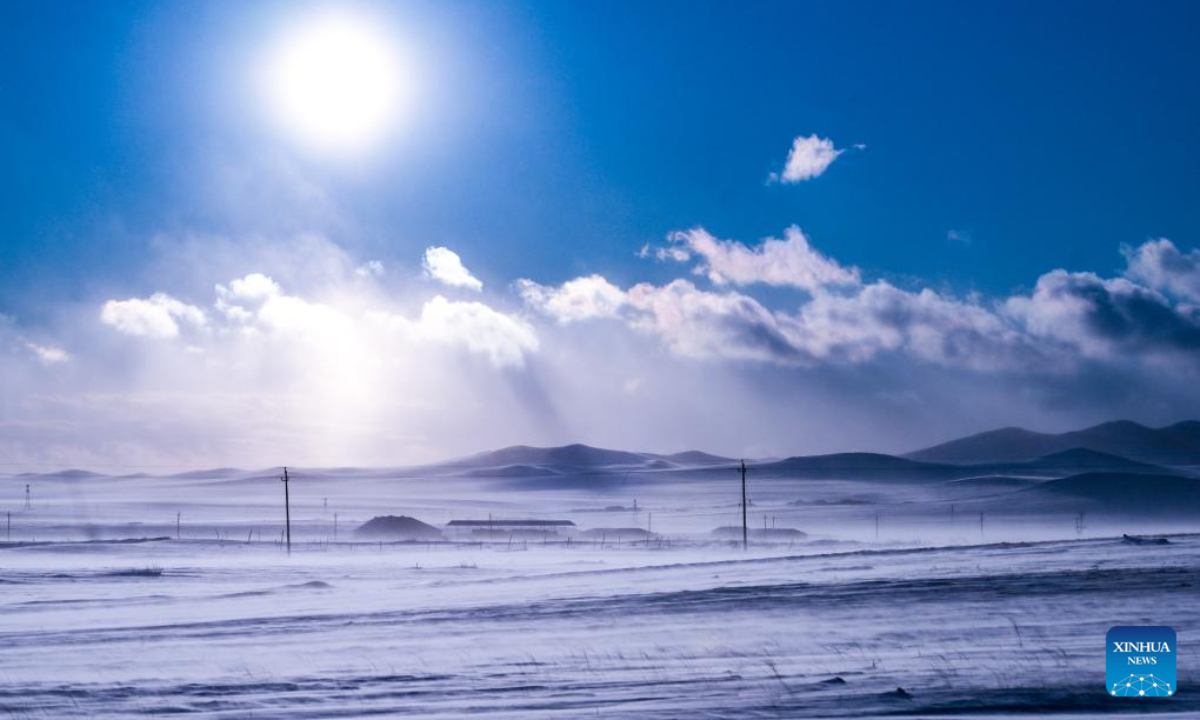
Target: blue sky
[{"x": 984, "y": 145}]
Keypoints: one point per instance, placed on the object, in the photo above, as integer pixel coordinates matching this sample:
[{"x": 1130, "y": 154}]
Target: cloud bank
[
  {"x": 1068, "y": 319},
  {"x": 293, "y": 353}
]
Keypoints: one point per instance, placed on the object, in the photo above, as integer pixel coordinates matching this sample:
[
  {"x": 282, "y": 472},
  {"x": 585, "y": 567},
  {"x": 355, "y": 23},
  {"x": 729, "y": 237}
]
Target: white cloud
[
  {"x": 309, "y": 361},
  {"x": 830, "y": 329},
  {"x": 809, "y": 158},
  {"x": 156, "y": 316},
  {"x": 444, "y": 265},
  {"x": 579, "y": 299},
  {"x": 791, "y": 261},
  {"x": 255, "y": 308},
  {"x": 699, "y": 324},
  {"x": 674, "y": 253},
  {"x": 478, "y": 328},
  {"x": 288, "y": 314},
  {"x": 371, "y": 268},
  {"x": 254, "y": 286},
  {"x": 1112, "y": 319},
  {"x": 925, "y": 325},
  {"x": 254, "y": 289},
  {"x": 47, "y": 355},
  {"x": 1160, "y": 265}
]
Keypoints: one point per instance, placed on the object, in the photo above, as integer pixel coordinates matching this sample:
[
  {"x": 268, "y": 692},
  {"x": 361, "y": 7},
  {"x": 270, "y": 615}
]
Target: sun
[{"x": 336, "y": 82}]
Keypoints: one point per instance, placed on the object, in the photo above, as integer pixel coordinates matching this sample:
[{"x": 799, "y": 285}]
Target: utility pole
[
  {"x": 335, "y": 527},
  {"x": 980, "y": 526},
  {"x": 8, "y": 527},
  {"x": 27, "y": 505},
  {"x": 745, "y": 530},
  {"x": 177, "y": 516},
  {"x": 876, "y": 527},
  {"x": 287, "y": 510}
]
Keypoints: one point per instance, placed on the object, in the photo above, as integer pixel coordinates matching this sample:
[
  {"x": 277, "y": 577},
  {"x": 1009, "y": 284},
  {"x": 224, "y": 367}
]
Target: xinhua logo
[{"x": 1141, "y": 661}]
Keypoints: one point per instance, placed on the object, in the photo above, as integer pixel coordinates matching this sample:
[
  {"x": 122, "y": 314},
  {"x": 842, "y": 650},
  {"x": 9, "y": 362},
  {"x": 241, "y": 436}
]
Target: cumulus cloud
[
  {"x": 444, "y": 265},
  {"x": 583, "y": 298},
  {"x": 344, "y": 370},
  {"x": 699, "y": 324},
  {"x": 1068, "y": 318},
  {"x": 924, "y": 325},
  {"x": 1160, "y": 265},
  {"x": 1106, "y": 318},
  {"x": 254, "y": 286},
  {"x": 809, "y": 158},
  {"x": 791, "y": 262},
  {"x": 256, "y": 305},
  {"x": 157, "y": 316},
  {"x": 831, "y": 329},
  {"x": 504, "y": 339}
]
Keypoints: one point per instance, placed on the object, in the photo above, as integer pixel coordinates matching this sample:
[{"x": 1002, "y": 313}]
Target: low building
[{"x": 495, "y": 530}]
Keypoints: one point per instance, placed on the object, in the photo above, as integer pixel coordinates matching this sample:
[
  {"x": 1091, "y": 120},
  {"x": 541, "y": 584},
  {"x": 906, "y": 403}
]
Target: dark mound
[
  {"x": 1139, "y": 493},
  {"x": 1138, "y": 540},
  {"x": 311, "y": 585},
  {"x": 393, "y": 527},
  {"x": 734, "y": 532},
  {"x": 136, "y": 572},
  {"x": 615, "y": 534}
]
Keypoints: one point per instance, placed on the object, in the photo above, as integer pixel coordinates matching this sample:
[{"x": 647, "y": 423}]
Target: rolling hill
[
  {"x": 1127, "y": 492},
  {"x": 1177, "y": 444},
  {"x": 858, "y": 465}
]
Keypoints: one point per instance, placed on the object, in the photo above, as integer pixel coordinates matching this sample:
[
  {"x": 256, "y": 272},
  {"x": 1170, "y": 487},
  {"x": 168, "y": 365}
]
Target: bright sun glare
[{"x": 336, "y": 82}]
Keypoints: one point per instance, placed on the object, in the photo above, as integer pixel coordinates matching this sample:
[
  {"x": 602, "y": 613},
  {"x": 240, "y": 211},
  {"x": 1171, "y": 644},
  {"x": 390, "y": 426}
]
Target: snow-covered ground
[{"x": 684, "y": 626}]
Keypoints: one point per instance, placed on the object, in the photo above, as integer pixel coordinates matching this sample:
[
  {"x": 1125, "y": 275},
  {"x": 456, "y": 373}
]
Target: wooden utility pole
[
  {"x": 27, "y": 505},
  {"x": 287, "y": 511},
  {"x": 177, "y": 516},
  {"x": 335, "y": 527},
  {"x": 745, "y": 530},
  {"x": 8, "y": 527}
]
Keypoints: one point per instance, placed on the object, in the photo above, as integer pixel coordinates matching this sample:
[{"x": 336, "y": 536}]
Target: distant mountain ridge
[
  {"x": 1118, "y": 446},
  {"x": 1153, "y": 494},
  {"x": 1177, "y": 444},
  {"x": 578, "y": 455}
]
